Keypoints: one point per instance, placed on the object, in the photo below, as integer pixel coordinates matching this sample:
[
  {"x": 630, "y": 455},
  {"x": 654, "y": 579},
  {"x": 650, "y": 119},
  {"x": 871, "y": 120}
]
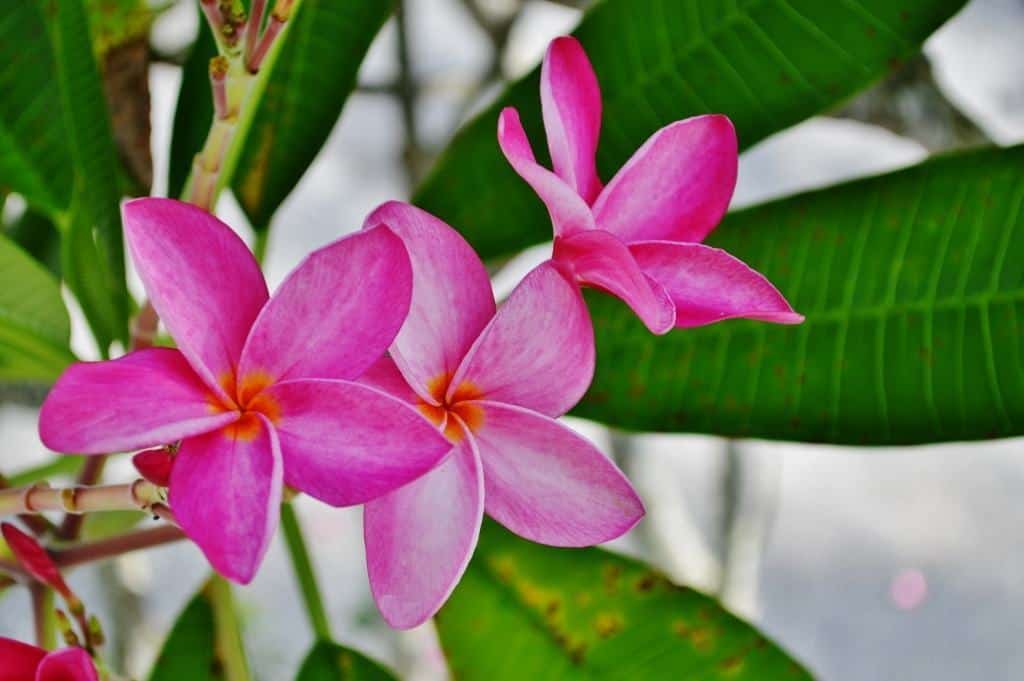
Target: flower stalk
[{"x": 139, "y": 495}]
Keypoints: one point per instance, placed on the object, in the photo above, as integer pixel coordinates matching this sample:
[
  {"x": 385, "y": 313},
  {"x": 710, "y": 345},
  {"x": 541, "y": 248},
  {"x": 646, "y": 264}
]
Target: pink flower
[
  {"x": 494, "y": 383},
  {"x": 639, "y": 237},
  {"x": 23, "y": 662},
  {"x": 260, "y": 391}
]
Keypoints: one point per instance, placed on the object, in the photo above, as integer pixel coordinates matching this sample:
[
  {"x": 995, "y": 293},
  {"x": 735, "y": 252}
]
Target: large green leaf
[
  {"x": 311, "y": 80},
  {"x": 329, "y": 661},
  {"x": 525, "y": 611},
  {"x": 767, "y": 64},
  {"x": 914, "y": 295},
  {"x": 34, "y": 325},
  {"x": 34, "y": 158},
  {"x": 93, "y": 253},
  {"x": 189, "y": 652}
]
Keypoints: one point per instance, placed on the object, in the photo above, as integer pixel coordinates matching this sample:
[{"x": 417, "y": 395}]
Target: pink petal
[
  {"x": 384, "y": 375},
  {"x": 201, "y": 278},
  {"x": 69, "y": 664},
  {"x": 569, "y": 211},
  {"x": 571, "y": 100},
  {"x": 537, "y": 352},
  {"x": 335, "y": 314},
  {"x": 709, "y": 285},
  {"x": 676, "y": 187},
  {"x": 226, "y": 491},
  {"x": 599, "y": 259},
  {"x": 420, "y": 538},
  {"x": 146, "y": 398},
  {"x": 18, "y": 661},
  {"x": 451, "y": 300},
  {"x": 548, "y": 484},
  {"x": 346, "y": 443}
]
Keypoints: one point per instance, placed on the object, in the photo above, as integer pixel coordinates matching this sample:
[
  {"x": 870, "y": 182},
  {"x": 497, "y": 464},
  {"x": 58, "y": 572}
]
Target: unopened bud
[
  {"x": 96, "y": 631},
  {"x": 35, "y": 559},
  {"x": 65, "y": 628},
  {"x": 155, "y": 466}
]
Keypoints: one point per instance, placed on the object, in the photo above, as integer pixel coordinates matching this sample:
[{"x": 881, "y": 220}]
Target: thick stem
[
  {"x": 135, "y": 496},
  {"x": 304, "y": 572},
  {"x": 90, "y": 474},
  {"x": 252, "y": 31}
]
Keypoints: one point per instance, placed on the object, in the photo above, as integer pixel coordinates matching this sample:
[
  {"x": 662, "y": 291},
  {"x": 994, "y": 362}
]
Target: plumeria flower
[
  {"x": 23, "y": 662},
  {"x": 639, "y": 237},
  {"x": 259, "y": 391},
  {"x": 494, "y": 383}
]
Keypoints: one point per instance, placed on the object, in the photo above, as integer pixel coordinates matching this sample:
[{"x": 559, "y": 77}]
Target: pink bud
[
  {"x": 35, "y": 559},
  {"x": 155, "y": 465}
]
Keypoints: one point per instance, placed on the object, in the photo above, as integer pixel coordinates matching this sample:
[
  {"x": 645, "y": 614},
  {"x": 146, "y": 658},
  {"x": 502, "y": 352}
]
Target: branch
[
  {"x": 116, "y": 546},
  {"x": 135, "y": 496}
]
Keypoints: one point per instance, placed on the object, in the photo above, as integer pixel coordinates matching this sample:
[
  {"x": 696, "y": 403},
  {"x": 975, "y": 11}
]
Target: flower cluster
[{"x": 381, "y": 372}]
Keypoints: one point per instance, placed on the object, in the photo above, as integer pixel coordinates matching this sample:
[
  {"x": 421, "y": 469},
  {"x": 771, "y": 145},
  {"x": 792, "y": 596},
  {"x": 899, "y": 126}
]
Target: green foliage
[
  {"x": 329, "y": 661},
  {"x": 915, "y": 313},
  {"x": 34, "y": 157},
  {"x": 189, "y": 652},
  {"x": 311, "y": 80},
  {"x": 767, "y": 64},
  {"x": 525, "y": 611},
  {"x": 93, "y": 254},
  {"x": 34, "y": 325}
]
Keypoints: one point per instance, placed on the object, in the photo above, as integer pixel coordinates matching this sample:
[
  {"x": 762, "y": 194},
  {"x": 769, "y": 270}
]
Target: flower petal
[
  {"x": 571, "y": 100},
  {"x": 419, "y": 539},
  {"x": 384, "y": 375},
  {"x": 548, "y": 484},
  {"x": 601, "y": 260},
  {"x": 69, "y": 664},
  {"x": 146, "y": 398},
  {"x": 335, "y": 314},
  {"x": 201, "y": 278},
  {"x": 676, "y": 187},
  {"x": 225, "y": 492},
  {"x": 346, "y": 443},
  {"x": 569, "y": 211},
  {"x": 537, "y": 352},
  {"x": 18, "y": 661},
  {"x": 709, "y": 285},
  {"x": 451, "y": 298}
]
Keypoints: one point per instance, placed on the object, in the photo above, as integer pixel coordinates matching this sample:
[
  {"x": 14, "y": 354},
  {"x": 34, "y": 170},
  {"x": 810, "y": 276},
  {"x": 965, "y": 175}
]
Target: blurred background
[{"x": 866, "y": 564}]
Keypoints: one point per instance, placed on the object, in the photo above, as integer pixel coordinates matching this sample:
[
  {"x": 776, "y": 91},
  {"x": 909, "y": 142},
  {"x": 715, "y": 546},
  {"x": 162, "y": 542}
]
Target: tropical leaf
[
  {"x": 34, "y": 325},
  {"x": 525, "y": 611},
  {"x": 767, "y": 64},
  {"x": 329, "y": 661},
  {"x": 914, "y": 296}
]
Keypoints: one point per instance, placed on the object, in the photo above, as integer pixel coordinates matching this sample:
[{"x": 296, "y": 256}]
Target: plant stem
[
  {"x": 304, "y": 572},
  {"x": 227, "y": 632},
  {"x": 259, "y": 244},
  {"x": 134, "y": 496},
  {"x": 90, "y": 474},
  {"x": 42, "y": 615},
  {"x": 115, "y": 546}
]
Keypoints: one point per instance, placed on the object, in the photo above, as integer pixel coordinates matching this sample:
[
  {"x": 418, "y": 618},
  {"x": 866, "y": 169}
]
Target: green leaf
[
  {"x": 93, "y": 253},
  {"x": 189, "y": 652},
  {"x": 34, "y": 325},
  {"x": 36, "y": 234},
  {"x": 34, "y": 157},
  {"x": 767, "y": 64},
  {"x": 312, "y": 78},
  {"x": 525, "y": 611},
  {"x": 329, "y": 661},
  {"x": 914, "y": 296},
  {"x": 205, "y": 643}
]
